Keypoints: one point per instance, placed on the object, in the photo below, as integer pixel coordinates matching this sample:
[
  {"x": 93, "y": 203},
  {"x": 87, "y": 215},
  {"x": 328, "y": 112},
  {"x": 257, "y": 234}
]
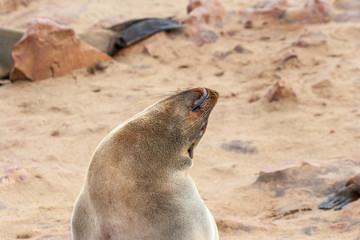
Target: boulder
[
  {"x": 7, "y": 6},
  {"x": 284, "y": 88},
  {"x": 201, "y": 15},
  {"x": 50, "y": 50}
]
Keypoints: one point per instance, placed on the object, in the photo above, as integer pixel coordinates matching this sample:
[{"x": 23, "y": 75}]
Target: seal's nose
[{"x": 214, "y": 91}]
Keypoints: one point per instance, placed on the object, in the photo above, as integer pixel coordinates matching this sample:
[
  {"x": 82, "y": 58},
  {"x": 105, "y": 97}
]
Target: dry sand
[{"x": 50, "y": 128}]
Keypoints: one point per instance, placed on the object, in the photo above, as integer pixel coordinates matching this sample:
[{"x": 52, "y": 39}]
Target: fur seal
[
  {"x": 350, "y": 193},
  {"x": 137, "y": 186},
  {"x": 9, "y": 37}
]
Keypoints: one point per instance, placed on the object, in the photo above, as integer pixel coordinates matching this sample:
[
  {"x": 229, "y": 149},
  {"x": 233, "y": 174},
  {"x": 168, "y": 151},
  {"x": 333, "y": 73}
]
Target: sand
[{"x": 50, "y": 128}]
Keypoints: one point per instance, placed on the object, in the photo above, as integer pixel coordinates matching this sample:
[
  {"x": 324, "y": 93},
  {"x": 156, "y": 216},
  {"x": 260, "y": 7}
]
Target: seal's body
[
  {"x": 137, "y": 186},
  {"x": 350, "y": 193}
]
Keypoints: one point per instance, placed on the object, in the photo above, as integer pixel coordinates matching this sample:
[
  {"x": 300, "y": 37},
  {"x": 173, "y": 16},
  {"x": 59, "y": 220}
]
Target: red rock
[
  {"x": 202, "y": 14},
  {"x": 7, "y": 6},
  {"x": 284, "y": 88},
  {"x": 208, "y": 11},
  {"x": 50, "y": 50}
]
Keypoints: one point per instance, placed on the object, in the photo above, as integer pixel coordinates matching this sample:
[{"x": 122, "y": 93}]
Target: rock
[
  {"x": 14, "y": 174},
  {"x": 284, "y": 88},
  {"x": 202, "y": 14},
  {"x": 207, "y": 11},
  {"x": 50, "y": 50},
  {"x": 287, "y": 56},
  {"x": 7, "y": 6},
  {"x": 319, "y": 178},
  {"x": 201, "y": 34},
  {"x": 312, "y": 38},
  {"x": 254, "y": 98},
  {"x": 222, "y": 55},
  {"x": 240, "y": 49},
  {"x": 240, "y": 147},
  {"x": 24, "y": 236},
  {"x": 322, "y": 84},
  {"x": 98, "y": 67},
  {"x": 148, "y": 45},
  {"x": 151, "y": 47},
  {"x": 309, "y": 230}
]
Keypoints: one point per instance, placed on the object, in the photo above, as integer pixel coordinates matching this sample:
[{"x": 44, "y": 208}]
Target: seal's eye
[{"x": 200, "y": 102}]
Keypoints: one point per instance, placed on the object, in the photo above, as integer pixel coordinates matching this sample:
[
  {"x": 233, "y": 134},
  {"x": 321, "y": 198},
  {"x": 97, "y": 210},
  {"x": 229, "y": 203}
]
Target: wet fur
[{"x": 137, "y": 186}]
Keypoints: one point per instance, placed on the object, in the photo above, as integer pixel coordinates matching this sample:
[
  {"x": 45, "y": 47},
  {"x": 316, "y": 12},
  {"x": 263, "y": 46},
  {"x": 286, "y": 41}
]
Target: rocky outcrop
[{"x": 50, "y": 50}]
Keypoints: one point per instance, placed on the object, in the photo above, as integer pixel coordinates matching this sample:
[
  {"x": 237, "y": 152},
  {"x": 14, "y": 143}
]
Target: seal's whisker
[
  {"x": 199, "y": 118},
  {"x": 148, "y": 99}
]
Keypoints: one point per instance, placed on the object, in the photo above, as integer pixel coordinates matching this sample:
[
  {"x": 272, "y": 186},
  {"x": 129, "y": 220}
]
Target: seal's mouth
[
  {"x": 201, "y": 133},
  {"x": 191, "y": 151}
]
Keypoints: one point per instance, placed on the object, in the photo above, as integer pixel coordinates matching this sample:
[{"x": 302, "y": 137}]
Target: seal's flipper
[
  {"x": 132, "y": 31},
  {"x": 341, "y": 199}
]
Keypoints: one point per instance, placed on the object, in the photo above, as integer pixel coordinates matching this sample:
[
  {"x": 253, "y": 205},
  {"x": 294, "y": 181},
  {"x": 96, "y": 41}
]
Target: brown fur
[
  {"x": 137, "y": 186},
  {"x": 354, "y": 180}
]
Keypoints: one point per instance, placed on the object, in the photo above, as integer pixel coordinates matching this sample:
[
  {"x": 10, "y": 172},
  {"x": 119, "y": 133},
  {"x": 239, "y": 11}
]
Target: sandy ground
[{"x": 50, "y": 128}]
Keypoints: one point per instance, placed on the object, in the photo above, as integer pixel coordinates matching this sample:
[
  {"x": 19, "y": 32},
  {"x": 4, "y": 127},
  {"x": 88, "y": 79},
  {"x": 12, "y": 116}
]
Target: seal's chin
[
  {"x": 191, "y": 150},
  {"x": 197, "y": 139}
]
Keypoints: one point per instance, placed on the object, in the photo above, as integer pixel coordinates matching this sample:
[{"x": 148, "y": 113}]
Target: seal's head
[
  {"x": 163, "y": 136},
  {"x": 178, "y": 122},
  {"x": 191, "y": 112}
]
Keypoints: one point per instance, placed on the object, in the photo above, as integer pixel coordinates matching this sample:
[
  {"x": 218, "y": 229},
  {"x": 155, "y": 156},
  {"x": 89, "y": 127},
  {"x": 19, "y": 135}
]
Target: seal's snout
[
  {"x": 215, "y": 92},
  {"x": 204, "y": 94}
]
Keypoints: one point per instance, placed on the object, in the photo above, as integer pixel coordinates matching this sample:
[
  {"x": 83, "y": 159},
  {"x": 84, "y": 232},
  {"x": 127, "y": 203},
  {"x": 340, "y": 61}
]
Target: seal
[
  {"x": 350, "y": 193},
  {"x": 9, "y": 37},
  {"x": 137, "y": 186}
]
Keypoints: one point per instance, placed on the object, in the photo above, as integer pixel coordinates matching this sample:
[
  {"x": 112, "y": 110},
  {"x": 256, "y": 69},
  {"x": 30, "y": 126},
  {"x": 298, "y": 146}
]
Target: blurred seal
[
  {"x": 137, "y": 185},
  {"x": 350, "y": 193}
]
